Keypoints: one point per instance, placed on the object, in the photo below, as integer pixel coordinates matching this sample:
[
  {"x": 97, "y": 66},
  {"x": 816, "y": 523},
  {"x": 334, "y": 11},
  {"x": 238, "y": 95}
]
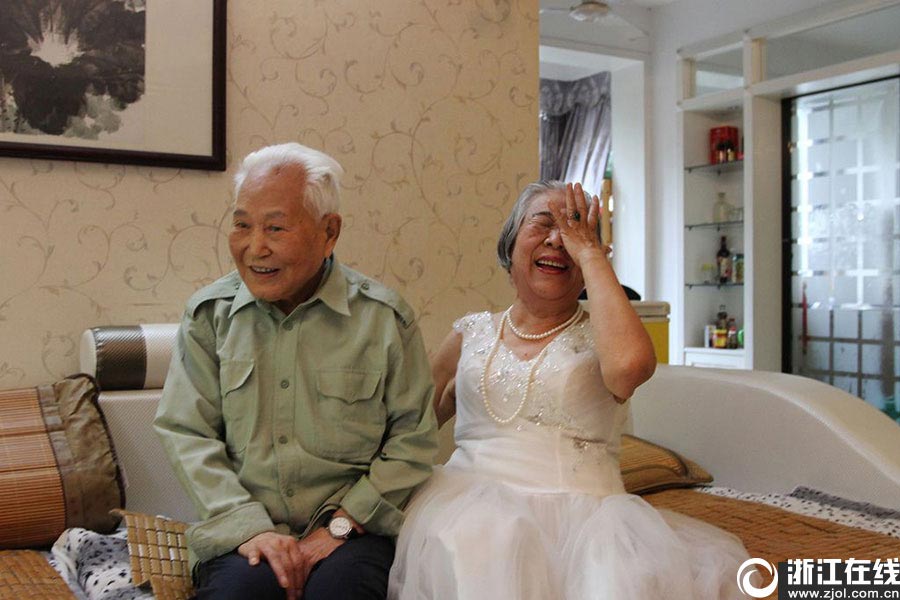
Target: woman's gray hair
[
  {"x": 323, "y": 173},
  {"x": 510, "y": 231}
]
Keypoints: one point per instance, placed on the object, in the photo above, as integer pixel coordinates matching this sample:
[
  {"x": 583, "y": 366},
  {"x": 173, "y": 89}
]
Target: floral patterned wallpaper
[{"x": 430, "y": 105}]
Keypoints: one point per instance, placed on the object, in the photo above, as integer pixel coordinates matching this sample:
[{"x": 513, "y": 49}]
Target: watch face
[{"x": 340, "y": 527}]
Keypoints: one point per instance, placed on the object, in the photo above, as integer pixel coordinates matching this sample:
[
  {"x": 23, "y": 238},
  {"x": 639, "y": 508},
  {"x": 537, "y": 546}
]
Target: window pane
[
  {"x": 721, "y": 71},
  {"x": 864, "y": 35},
  {"x": 846, "y": 324}
]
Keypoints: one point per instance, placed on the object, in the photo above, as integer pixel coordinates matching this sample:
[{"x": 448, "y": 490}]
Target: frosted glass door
[{"x": 844, "y": 324}]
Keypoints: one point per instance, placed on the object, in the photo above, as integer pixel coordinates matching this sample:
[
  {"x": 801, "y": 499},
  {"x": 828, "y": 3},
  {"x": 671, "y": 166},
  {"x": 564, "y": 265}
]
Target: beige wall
[{"x": 431, "y": 109}]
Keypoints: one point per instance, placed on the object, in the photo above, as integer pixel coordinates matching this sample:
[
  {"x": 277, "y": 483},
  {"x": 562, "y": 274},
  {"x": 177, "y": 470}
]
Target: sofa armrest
[
  {"x": 759, "y": 431},
  {"x": 130, "y": 365}
]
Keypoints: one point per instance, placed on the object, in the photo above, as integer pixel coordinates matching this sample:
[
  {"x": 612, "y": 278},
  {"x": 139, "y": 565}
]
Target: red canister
[{"x": 721, "y": 139}]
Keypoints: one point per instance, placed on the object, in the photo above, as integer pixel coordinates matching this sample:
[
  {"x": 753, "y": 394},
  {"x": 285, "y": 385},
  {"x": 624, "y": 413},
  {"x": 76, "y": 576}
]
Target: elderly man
[{"x": 297, "y": 409}]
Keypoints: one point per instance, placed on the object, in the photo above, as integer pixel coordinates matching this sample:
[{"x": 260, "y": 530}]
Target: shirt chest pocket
[
  {"x": 352, "y": 413},
  {"x": 239, "y": 399}
]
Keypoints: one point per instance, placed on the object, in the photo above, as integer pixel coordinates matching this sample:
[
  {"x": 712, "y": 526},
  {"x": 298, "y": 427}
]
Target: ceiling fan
[{"x": 595, "y": 11}]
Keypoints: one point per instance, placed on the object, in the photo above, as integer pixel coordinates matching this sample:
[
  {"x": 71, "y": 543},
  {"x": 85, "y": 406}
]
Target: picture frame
[{"x": 139, "y": 82}]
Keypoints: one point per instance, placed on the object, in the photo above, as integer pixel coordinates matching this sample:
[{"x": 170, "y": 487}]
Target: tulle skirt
[{"x": 467, "y": 537}]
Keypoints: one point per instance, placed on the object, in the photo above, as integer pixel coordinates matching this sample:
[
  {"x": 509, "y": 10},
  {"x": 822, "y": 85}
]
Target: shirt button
[
  {"x": 289, "y": 493},
  {"x": 282, "y": 439},
  {"x": 365, "y": 285},
  {"x": 289, "y": 326},
  {"x": 285, "y": 383}
]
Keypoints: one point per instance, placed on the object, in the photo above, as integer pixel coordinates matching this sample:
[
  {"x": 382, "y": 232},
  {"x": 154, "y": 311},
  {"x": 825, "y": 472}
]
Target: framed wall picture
[{"x": 123, "y": 81}]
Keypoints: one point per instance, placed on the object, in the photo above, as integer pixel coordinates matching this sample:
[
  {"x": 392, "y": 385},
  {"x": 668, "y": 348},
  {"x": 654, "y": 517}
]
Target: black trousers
[{"x": 357, "y": 570}]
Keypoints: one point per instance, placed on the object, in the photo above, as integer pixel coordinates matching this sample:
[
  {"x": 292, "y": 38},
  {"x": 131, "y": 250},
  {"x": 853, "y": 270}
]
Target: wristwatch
[{"x": 340, "y": 528}]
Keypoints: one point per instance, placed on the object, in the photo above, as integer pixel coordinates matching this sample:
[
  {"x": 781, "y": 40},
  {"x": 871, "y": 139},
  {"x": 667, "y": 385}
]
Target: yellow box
[{"x": 655, "y": 317}]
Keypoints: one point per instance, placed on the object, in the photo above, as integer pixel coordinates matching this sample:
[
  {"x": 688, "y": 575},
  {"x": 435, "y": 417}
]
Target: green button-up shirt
[{"x": 271, "y": 421}]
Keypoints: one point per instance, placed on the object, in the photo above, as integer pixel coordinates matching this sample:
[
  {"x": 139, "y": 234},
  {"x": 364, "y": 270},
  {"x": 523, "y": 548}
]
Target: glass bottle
[
  {"x": 730, "y": 153},
  {"x": 723, "y": 262},
  {"x": 737, "y": 268},
  {"x": 721, "y": 317},
  {"x": 731, "y": 341},
  {"x": 720, "y": 333},
  {"x": 721, "y": 209}
]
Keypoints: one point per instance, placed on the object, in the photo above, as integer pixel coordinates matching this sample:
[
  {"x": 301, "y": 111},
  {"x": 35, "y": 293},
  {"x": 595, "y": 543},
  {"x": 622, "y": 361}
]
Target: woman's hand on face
[{"x": 577, "y": 221}]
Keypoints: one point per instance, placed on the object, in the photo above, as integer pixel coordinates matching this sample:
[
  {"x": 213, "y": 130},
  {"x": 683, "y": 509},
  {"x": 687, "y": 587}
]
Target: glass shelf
[
  {"x": 717, "y": 226},
  {"x": 717, "y": 168},
  {"x": 702, "y": 284}
]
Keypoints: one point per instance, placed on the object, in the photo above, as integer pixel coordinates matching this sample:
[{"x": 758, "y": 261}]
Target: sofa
[{"x": 785, "y": 453}]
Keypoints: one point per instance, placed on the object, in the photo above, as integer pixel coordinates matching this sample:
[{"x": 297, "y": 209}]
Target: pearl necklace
[
  {"x": 482, "y": 385},
  {"x": 549, "y": 332}
]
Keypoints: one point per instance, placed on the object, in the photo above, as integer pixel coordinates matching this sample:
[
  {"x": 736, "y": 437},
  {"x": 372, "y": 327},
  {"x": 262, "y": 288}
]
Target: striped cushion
[
  {"x": 128, "y": 357},
  {"x": 57, "y": 464}
]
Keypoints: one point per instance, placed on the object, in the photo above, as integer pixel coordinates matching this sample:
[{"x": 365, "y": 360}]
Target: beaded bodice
[{"x": 566, "y": 435}]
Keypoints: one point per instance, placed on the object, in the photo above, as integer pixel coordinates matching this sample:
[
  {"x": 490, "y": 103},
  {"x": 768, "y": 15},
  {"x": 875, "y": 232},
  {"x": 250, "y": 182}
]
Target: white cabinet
[
  {"x": 752, "y": 187},
  {"x": 704, "y": 183}
]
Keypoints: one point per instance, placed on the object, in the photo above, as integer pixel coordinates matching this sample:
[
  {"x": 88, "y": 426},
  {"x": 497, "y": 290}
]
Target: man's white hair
[{"x": 323, "y": 173}]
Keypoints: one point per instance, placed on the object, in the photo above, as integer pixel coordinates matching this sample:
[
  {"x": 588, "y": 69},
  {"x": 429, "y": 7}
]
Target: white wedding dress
[{"x": 535, "y": 509}]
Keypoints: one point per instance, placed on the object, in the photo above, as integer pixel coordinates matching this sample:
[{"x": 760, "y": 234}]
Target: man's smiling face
[{"x": 278, "y": 244}]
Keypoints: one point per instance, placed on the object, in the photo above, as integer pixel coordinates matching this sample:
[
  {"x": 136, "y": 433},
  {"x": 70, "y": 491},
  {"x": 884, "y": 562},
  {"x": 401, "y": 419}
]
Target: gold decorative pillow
[
  {"x": 57, "y": 464},
  {"x": 647, "y": 467}
]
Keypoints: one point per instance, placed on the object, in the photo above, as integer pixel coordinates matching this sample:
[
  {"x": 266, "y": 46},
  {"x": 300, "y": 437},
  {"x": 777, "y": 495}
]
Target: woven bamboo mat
[
  {"x": 27, "y": 574},
  {"x": 159, "y": 555},
  {"x": 32, "y": 504},
  {"x": 775, "y": 534}
]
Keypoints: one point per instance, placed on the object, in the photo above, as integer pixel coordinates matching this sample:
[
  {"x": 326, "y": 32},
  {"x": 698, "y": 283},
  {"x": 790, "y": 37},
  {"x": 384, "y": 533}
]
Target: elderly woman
[{"x": 531, "y": 504}]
